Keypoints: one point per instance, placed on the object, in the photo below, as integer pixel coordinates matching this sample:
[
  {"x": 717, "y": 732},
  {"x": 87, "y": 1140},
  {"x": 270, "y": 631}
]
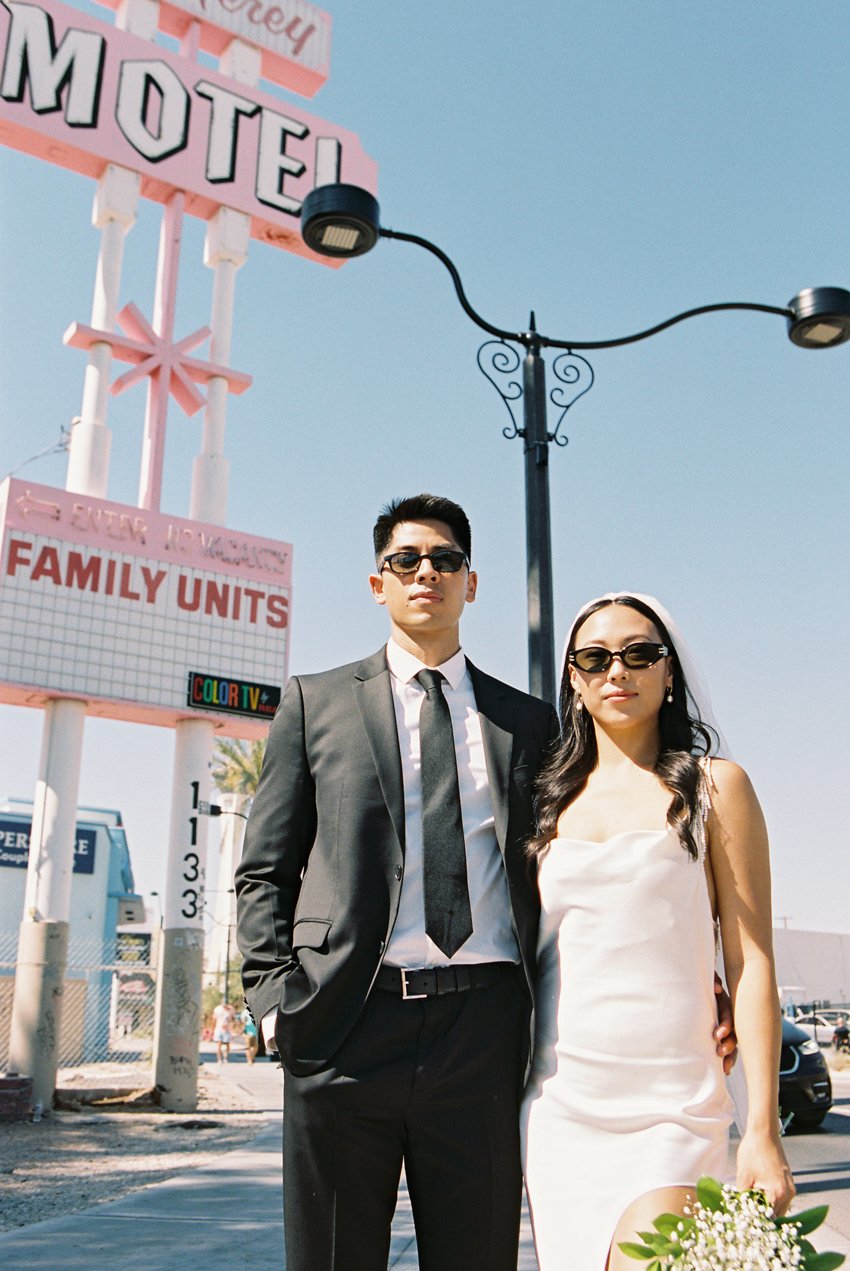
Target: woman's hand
[
  {"x": 762, "y": 1164},
  {"x": 724, "y": 1034}
]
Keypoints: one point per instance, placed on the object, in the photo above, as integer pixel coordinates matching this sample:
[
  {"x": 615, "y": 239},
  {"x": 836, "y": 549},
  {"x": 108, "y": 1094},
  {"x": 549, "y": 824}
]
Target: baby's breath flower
[
  {"x": 725, "y": 1228},
  {"x": 742, "y": 1234}
]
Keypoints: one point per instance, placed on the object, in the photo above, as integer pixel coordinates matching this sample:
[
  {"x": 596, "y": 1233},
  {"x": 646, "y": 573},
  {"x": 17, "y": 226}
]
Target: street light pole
[
  {"x": 342, "y": 220},
  {"x": 538, "y": 535}
]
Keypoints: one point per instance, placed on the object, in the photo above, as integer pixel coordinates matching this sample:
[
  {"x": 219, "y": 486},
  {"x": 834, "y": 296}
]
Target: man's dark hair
[{"x": 421, "y": 507}]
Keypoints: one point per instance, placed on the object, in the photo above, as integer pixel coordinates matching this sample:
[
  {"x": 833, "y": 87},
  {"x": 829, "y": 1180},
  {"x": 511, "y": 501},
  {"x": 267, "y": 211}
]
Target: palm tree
[
  {"x": 237, "y": 764},
  {"x": 236, "y": 769}
]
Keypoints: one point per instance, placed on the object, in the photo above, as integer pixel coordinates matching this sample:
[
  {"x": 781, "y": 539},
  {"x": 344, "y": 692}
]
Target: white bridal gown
[{"x": 627, "y": 1093}]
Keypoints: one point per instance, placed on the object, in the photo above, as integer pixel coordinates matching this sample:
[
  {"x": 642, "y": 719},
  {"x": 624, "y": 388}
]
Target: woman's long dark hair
[{"x": 684, "y": 738}]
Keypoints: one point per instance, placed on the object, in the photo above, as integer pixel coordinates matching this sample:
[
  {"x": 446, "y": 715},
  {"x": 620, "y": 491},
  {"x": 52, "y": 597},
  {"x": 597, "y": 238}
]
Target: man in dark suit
[{"x": 387, "y": 916}]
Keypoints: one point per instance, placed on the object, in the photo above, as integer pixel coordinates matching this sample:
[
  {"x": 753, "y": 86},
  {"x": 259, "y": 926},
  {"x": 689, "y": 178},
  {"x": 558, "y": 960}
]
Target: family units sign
[
  {"x": 81, "y": 93},
  {"x": 102, "y": 601}
]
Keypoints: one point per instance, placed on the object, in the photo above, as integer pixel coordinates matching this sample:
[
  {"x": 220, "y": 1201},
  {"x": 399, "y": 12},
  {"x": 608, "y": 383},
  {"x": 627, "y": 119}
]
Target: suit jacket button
[{"x": 398, "y": 873}]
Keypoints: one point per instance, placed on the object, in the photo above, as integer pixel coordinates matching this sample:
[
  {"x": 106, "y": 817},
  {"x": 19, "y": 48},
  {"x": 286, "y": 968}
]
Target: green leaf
[
  {"x": 659, "y": 1243},
  {"x": 824, "y": 1261},
  {"x": 808, "y": 1221},
  {"x": 668, "y": 1223},
  {"x": 710, "y": 1194},
  {"x": 632, "y": 1250},
  {"x": 652, "y": 1238}
]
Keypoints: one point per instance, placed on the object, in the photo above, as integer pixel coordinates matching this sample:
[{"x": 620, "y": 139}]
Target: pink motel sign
[{"x": 81, "y": 93}]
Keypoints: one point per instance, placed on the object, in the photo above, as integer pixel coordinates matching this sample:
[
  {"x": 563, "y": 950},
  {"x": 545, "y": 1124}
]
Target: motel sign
[{"x": 81, "y": 93}]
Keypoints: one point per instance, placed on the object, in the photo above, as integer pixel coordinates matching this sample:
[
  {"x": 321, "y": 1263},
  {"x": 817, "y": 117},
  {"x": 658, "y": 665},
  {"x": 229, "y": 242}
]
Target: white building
[
  {"x": 812, "y": 966},
  {"x": 102, "y": 898}
]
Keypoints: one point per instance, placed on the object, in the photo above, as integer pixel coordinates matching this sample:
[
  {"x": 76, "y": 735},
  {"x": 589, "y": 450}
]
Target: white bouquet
[{"x": 727, "y": 1228}]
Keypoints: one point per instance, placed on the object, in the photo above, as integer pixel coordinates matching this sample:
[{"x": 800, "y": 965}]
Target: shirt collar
[{"x": 406, "y": 666}]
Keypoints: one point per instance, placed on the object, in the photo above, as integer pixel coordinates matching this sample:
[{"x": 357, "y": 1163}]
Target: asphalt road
[{"x": 820, "y": 1160}]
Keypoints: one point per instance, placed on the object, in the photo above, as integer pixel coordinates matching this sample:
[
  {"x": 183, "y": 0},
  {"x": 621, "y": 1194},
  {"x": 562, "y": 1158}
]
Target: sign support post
[
  {"x": 43, "y": 939},
  {"x": 114, "y": 214},
  {"x": 181, "y": 952},
  {"x": 225, "y": 251},
  {"x": 178, "y": 1007}
]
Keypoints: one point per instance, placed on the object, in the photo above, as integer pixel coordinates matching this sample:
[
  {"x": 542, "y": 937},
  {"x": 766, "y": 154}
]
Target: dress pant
[{"x": 434, "y": 1084}]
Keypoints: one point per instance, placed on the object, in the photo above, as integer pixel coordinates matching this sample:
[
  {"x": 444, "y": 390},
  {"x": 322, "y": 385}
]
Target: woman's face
[{"x": 620, "y": 697}]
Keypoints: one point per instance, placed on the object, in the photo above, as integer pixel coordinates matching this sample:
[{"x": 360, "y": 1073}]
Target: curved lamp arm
[
  {"x": 529, "y": 338},
  {"x": 344, "y": 220},
  {"x": 662, "y": 326},
  {"x": 522, "y": 337}
]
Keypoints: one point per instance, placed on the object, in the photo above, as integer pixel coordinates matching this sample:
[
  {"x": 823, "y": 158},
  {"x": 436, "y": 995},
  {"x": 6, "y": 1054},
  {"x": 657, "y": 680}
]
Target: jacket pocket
[{"x": 310, "y": 933}]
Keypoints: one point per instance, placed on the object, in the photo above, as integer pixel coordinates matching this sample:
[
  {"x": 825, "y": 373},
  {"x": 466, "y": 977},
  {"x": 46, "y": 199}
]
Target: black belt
[{"x": 438, "y": 980}]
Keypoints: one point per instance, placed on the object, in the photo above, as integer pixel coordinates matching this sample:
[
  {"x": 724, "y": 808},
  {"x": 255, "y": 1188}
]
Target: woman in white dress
[{"x": 644, "y": 845}]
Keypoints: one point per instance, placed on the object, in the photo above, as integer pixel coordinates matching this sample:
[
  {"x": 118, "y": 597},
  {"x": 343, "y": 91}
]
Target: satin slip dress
[{"x": 626, "y": 1093}]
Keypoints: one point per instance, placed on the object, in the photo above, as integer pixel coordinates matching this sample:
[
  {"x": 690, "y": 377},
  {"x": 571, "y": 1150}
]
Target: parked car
[
  {"x": 805, "y": 1089},
  {"x": 820, "y": 1026}
]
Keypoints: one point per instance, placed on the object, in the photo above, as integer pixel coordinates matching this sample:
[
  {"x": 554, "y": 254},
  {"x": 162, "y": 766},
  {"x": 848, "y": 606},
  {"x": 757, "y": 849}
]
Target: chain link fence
[{"x": 107, "y": 1004}]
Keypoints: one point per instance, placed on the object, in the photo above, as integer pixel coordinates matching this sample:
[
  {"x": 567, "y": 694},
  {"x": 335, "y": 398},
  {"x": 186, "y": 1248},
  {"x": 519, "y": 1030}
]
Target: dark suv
[{"x": 805, "y": 1090}]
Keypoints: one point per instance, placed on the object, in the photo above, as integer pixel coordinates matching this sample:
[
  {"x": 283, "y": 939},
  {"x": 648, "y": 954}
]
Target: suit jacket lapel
[
  {"x": 497, "y": 729},
  {"x": 373, "y": 695}
]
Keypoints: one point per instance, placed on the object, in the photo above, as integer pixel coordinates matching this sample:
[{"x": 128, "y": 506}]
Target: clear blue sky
[{"x": 606, "y": 165}]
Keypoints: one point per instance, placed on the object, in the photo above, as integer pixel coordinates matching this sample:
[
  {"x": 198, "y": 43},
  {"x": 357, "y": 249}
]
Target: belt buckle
[{"x": 406, "y": 996}]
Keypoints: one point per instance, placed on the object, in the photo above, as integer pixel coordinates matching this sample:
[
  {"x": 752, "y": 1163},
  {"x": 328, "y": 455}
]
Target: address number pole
[
  {"x": 180, "y": 974},
  {"x": 178, "y": 998}
]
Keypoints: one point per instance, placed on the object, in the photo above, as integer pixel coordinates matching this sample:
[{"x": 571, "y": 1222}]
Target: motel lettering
[
  {"x": 82, "y": 94},
  {"x": 152, "y": 107},
  {"x": 143, "y": 584}
]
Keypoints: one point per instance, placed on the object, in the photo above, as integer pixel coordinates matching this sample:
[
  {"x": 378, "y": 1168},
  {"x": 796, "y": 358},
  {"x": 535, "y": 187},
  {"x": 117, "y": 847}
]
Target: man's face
[{"x": 423, "y": 603}]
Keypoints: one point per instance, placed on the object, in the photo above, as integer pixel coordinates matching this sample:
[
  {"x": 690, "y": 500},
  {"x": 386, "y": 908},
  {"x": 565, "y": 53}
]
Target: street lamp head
[
  {"x": 820, "y": 317},
  {"x": 340, "y": 220}
]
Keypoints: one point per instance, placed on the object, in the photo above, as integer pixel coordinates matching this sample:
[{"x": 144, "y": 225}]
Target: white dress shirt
[{"x": 492, "y": 938}]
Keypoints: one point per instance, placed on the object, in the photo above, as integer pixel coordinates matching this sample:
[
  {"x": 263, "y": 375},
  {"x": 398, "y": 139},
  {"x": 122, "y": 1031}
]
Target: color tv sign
[{"x": 80, "y": 93}]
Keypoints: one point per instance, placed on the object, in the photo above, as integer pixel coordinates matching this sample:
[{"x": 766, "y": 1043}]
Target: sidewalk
[
  {"x": 205, "y": 1219},
  {"x": 202, "y": 1220}
]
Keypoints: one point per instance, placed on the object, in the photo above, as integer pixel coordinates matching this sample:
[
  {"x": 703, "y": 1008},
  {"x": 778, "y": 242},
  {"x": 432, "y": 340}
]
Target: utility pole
[{"x": 226, "y": 997}]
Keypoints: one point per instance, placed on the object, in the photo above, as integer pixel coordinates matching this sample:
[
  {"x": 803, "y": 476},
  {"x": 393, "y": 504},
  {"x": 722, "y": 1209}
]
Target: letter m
[{"x": 33, "y": 57}]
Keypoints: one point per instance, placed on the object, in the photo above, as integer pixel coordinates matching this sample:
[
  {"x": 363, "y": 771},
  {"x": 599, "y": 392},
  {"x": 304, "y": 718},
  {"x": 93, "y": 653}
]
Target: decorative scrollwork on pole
[
  {"x": 577, "y": 373},
  {"x": 499, "y": 361}
]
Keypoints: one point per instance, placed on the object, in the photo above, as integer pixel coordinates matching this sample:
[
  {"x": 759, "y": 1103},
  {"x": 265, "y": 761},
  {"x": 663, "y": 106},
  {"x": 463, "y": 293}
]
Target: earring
[
  {"x": 579, "y": 703},
  {"x": 670, "y": 694}
]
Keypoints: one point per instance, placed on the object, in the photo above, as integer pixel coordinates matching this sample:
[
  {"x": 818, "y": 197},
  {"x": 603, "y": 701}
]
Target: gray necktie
[{"x": 448, "y": 916}]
